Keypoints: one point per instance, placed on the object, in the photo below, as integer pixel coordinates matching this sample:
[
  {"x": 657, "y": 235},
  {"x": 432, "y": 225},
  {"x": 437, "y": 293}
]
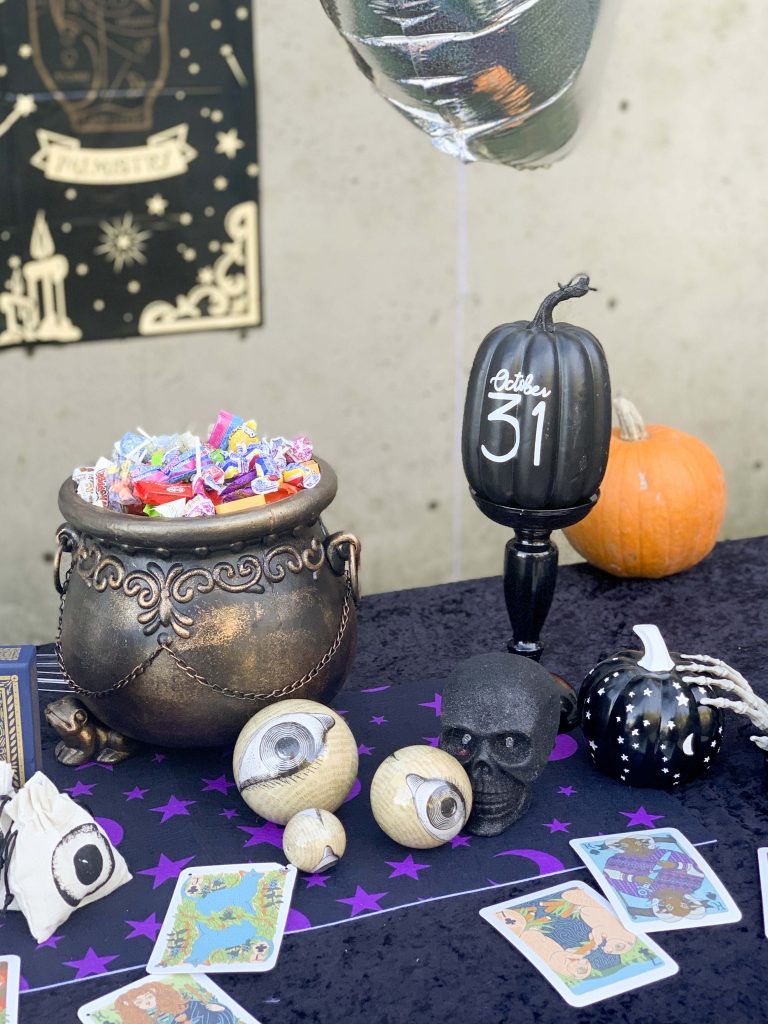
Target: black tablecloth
[{"x": 439, "y": 961}]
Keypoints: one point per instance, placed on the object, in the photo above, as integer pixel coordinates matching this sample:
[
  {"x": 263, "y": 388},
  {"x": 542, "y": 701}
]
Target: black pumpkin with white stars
[{"x": 643, "y": 724}]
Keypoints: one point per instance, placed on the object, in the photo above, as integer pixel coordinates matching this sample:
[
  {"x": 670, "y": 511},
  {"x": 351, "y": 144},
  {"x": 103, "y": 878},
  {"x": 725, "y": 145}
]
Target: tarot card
[
  {"x": 224, "y": 918},
  {"x": 656, "y": 880},
  {"x": 762, "y": 861},
  {"x": 573, "y": 937},
  {"x": 175, "y": 997},
  {"x": 9, "y": 989}
]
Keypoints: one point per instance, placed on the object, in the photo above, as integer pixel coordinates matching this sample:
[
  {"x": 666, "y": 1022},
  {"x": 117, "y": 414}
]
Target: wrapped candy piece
[
  {"x": 61, "y": 859},
  {"x": 282, "y": 491},
  {"x": 264, "y": 485},
  {"x": 225, "y": 425},
  {"x": 230, "y": 508},
  {"x": 293, "y": 474},
  {"x": 300, "y": 449},
  {"x": 243, "y": 437},
  {"x": 173, "y": 509},
  {"x": 158, "y": 492},
  {"x": 199, "y": 506}
]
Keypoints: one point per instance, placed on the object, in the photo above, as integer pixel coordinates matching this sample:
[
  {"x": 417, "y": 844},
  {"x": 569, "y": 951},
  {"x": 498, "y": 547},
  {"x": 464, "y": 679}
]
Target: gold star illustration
[
  {"x": 228, "y": 143},
  {"x": 157, "y": 205}
]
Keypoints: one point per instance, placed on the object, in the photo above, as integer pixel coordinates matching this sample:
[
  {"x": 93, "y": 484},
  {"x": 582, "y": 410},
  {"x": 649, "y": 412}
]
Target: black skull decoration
[{"x": 499, "y": 719}]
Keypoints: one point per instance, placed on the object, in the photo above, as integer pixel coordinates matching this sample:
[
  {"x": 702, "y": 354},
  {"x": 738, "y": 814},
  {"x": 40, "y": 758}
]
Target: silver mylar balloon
[{"x": 500, "y": 80}]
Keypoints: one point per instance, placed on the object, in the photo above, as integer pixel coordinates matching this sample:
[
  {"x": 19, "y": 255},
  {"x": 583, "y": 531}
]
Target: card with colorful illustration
[
  {"x": 656, "y": 880},
  {"x": 9, "y": 989},
  {"x": 762, "y": 862},
  {"x": 177, "y": 997},
  {"x": 225, "y": 918},
  {"x": 573, "y": 937}
]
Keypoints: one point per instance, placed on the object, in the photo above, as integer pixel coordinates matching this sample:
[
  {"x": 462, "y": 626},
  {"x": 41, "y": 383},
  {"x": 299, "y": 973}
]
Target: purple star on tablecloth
[
  {"x": 165, "y": 869},
  {"x": 641, "y": 817},
  {"x": 90, "y": 964},
  {"x": 363, "y": 900},
  {"x": 50, "y": 943},
  {"x": 95, "y": 764},
  {"x": 220, "y": 785},
  {"x": 378, "y": 720},
  {"x": 406, "y": 867},
  {"x": 340, "y": 712},
  {"x": 363, "y": 750},
  {"x": 566, "y": 790},
  {"x": 316, "y": 880},
  {"x": 81, "y": 789},
  {"x": 159, "y": 758},
  {"x": 459, "y": 841},
  {"x": 557, "y": 826},
  {"x": 148, "y": 928},
  {"x": 437, "y": 704},
  {"x": 135, "y": 794},
  {"x": 229, "y": 813},
  {"x": 173, "y": 808},
  {"x": 269, "y": 832},
  {"x": 433, "y": 741}
]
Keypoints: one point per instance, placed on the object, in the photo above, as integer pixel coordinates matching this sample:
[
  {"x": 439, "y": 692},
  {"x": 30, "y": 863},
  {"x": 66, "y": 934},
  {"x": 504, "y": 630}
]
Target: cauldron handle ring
[
  {"x": 340, "y": 549},
  {"x": 68, "y": 540}
]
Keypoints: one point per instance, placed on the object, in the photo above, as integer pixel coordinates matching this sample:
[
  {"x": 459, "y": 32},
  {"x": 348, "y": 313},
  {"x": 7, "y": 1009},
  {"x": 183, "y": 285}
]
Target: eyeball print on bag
[
  {"x": 61, "y": 859},
  {"x": 82, "y": 863},
  {"x": 293, "y": 755},
  {"x": 421, "y": 797}
]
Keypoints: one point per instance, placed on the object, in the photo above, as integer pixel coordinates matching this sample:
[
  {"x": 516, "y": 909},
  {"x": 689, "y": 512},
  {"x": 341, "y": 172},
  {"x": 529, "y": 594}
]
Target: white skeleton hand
[{"x": 744, "y": 701}]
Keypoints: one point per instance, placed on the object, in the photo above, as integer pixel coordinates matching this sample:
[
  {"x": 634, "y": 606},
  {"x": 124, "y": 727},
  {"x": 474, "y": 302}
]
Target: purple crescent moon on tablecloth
[
  {"x": 297, "y": 922},
  {"x": 545, "y": 862},
  {"x": 113, "y": 829},
  {"x": 355, "y": 791},
  {"x": 565, "y": 746}
]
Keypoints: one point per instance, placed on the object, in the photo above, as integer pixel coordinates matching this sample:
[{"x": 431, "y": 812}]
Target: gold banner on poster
[{"x": 62, "y": 158}]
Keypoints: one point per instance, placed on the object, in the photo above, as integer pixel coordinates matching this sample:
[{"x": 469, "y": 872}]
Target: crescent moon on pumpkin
[
  {"x": 688, "y": 745},
  {"x": 545, "y": 862}
]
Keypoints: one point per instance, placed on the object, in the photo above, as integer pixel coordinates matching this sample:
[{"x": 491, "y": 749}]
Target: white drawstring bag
[{"x": 56, "y": 857}]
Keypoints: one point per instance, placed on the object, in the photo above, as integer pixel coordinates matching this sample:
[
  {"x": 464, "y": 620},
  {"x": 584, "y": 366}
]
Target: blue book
[{"x": 19, "y": 712}]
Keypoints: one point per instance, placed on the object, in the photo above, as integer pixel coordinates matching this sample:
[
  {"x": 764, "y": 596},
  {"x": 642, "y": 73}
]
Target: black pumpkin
[
  {"x": 537, "y": 417},
  {"x": 644, "y": 725}
]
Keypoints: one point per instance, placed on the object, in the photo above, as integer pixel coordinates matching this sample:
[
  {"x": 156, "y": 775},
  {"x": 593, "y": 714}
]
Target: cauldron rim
[{"x": 211, "y": 532}]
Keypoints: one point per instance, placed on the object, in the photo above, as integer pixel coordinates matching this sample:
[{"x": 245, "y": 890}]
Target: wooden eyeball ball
[
  {"x": 293, "y": 755},
  {"x": 314, "y": 840},
  {"x": 421, "y": 797}
]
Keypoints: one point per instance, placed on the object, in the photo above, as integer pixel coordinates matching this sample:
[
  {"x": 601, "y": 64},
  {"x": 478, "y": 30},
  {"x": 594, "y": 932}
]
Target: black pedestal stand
[{"x": 530, "y": 574}]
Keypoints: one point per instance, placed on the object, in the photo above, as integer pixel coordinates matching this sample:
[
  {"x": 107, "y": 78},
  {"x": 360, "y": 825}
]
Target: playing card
[
  {"x": 762, "y": 862},
  {"x": 9, "y": 989},
  {"x": 224, "y": 918},
  {"x": 656, "y": 880},
  {"x": 176, "y": 997},
  {"x": 575, "y": 940}
]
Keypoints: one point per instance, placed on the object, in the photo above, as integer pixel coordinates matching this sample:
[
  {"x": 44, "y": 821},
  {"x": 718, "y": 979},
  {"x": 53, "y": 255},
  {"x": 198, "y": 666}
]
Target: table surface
[{"x": 440, "y": 961}]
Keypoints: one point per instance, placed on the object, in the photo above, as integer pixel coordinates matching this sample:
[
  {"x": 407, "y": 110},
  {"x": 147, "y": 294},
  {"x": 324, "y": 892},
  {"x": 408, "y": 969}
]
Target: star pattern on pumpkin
[
  {"x": 646, "y": 723},
  {"x": 630, "y": 708},
  {"x": 682, "y": 699},
  {"x": 647, "y": 692},
  {"x": 631, "y": 693},
  {"x": 587, "y": 714},
  {"x": 621, "y": 739},
  {"x": 676, "y": 685},
  {"x": 625, "y": 757},
  {"x": 601, "y": 691},
  {"x": 593, "y": 744}
]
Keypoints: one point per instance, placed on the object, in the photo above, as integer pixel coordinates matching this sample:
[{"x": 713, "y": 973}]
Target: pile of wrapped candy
[{"x": 179, "y": 476}]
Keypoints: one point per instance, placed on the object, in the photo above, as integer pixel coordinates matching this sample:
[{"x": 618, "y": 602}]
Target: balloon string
[{"x": 462, "y": 288}]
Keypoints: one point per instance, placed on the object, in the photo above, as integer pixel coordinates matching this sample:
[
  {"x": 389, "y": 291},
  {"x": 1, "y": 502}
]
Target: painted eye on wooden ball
[
  {"x": 644, "y": 724},
  {"x": 439, "y": 806},
  {"x": 81, "y": 863},
  {"x": 284, "y": 746}
]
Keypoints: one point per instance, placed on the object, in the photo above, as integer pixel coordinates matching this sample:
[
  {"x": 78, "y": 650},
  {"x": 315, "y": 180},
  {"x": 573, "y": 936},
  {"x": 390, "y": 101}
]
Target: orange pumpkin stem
[{"x": 631, "y": 425}]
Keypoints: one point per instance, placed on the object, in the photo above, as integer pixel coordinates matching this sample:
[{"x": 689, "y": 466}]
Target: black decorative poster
[{"x": 130, "y": 184}]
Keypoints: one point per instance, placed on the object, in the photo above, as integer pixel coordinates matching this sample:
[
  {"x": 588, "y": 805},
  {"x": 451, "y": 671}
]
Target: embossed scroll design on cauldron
[{"x": 160, "y": 591}]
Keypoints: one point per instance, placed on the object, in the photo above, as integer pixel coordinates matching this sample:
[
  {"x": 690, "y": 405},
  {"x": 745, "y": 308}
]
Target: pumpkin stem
[
  {"x": 631, "y": 425},
  {"x": 576, "y": 287},
  {"x": 656, "y": 656}
]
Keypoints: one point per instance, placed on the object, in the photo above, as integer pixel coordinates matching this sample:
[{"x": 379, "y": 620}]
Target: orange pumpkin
[{"x": 662, "y": 501}]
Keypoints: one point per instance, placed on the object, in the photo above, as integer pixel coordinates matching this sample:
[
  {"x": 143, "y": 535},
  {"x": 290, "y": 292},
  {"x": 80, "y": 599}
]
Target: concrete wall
[{"x": 369, "y": 336}]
